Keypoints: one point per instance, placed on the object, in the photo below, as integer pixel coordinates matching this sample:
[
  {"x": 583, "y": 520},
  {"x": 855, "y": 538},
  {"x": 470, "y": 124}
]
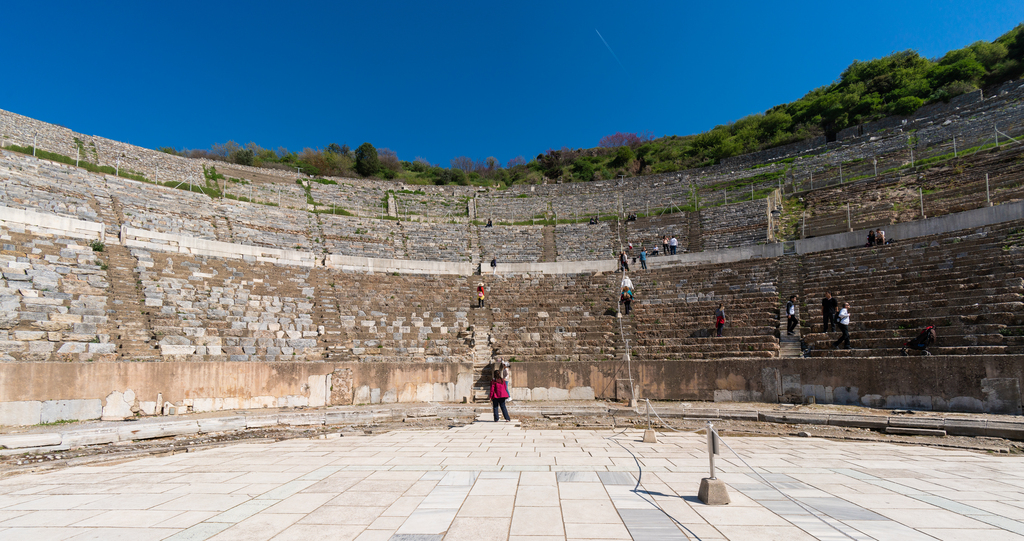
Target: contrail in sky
[{"x": 611, "y": 51}]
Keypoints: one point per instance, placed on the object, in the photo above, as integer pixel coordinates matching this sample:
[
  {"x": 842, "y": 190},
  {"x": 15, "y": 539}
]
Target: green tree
[
  {"x": 623, "y": 155},
  {"x": 367, "y": 162}
]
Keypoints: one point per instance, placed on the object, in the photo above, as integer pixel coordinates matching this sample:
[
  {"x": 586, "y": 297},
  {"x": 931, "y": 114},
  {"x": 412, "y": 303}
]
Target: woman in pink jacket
[{"x": 499, "y": 393}]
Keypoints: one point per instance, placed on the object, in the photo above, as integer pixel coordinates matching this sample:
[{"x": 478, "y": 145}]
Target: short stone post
[
  {"x": 650, "y": 436},
  {"x": 712, "y": 489}
]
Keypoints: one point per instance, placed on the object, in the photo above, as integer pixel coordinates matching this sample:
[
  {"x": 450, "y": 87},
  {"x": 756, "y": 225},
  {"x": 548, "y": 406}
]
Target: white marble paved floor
[{"x": 497, "y": 481}]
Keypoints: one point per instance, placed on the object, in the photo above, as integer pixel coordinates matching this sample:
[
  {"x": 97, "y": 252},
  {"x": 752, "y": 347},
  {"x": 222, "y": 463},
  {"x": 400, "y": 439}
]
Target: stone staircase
[
  {"x": 548, "y": 251},
  {"x": 791, "y": 283},
  {"x": 474, "y": 249},
  {"x": 134, "y": 324},
  {"x": 478, "y": 338},
  {"x": 131, "y": 316},
  {"x": 694, "y": 236}
]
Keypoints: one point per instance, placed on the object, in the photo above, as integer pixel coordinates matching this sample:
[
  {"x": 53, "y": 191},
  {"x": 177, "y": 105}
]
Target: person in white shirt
[
  {"x": 673, "y": 244},
  {"x": 844, "y": 325}
]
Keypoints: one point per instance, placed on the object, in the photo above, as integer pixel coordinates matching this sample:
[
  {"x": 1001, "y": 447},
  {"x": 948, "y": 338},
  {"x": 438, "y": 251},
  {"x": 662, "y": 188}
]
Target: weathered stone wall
[
  {"x": 48, "y": 392},
  {"x": 53, "y": 300}
]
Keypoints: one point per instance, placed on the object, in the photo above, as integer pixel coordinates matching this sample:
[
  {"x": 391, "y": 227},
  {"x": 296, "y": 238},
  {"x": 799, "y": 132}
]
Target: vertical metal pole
[
  {"x": 912, "y": 156},
  {"x": 34, "y": 145},
  {"x": 993, "y": 129},
  {"x": 158, "y": 174},
  {"x": 77, "y": 152},
  {"x": 954, "y": 146},
  {"x": 988, "y": 200},
  {"x": 840, "y": 172},
  {"x": 875, "y": 161},
  {"x": 117, "y": 167},
  {"x": 751, "y": 192},
  {"x": 920, "y": 194},
  {"x": 803, "y": 230},
  {"x": 711, "y": 447},
  {"x": 812, "y": 179},
  {"x": 849, "y": 222},
  {"x": 725, "y": 193}
]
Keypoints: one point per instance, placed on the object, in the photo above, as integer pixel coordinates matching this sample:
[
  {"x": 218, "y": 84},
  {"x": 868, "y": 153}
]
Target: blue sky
[{"x": 467, "y": 78}]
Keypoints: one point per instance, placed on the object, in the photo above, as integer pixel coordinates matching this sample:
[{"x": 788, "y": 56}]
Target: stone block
[
  {"x": 21, "y": 441},
  {"x": 221, "y": 424},
  {"x": 29, "y": 335},
  {"x": 772, "y": 383},
  {"x": 521, "y": 393},
  {"x": 302, "y": 419},
  {"x": 292, "y": 401},
  {"x": 390, "y": 396},
  {"x": 967, "y": 404},
  {"x": 361, "y": 395},
  {"x": 554, "y": 393},
  {"x": 375, "y": 396},
  {"x": 581, "y": 393},
  {"x": 318, "y": 389},
  {"x": 73, "y": 347},
  {"x": 177, "y": 350},
  {"x": 101, "y": 349},
  {"x": 1002, "y": 395},
  {"x": 791, "y": 385},
  {"x": 143, "y": 430},
  {"x": 90, "y": 436},
  {"x": 20, "y": 413},
  {"x": 70, "y": 410},
  {"x": 118, "y": 406}
]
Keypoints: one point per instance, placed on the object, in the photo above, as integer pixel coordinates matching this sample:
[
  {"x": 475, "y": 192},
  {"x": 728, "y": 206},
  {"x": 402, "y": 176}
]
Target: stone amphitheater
[{"x": 121, "y": 298}]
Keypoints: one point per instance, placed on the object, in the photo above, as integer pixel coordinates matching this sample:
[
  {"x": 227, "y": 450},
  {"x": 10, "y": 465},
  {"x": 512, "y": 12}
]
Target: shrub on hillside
[{"x": 367, "y": 162}]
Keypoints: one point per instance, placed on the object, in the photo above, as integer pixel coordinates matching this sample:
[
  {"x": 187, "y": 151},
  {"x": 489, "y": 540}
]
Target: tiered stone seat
[
  {"x": 674, "y": 311},
  {"x": 894, "y": 197},
  {"x": 436, "y": 242},
  {"x": 737, "y": 224},
  {"x": 511, "y": 244},
  {"x": 554, "y": 318},
  {"x": 967, "y": 284},
  {"x": 584, "y": 242},
  {"x": 509, "y": 206},
  {"x": 208, "y": 309},
  {"x": 53, "y": 299},
  {"x": 648, "y": 232},
  {"x": 45, "y": 186},
  {"x": 385, "y": 318},
  {"x": 360, "y": 237}
]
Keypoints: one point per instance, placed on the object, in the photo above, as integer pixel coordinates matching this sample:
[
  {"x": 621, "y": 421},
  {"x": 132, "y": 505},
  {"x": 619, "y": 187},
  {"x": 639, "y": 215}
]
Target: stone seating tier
[
  {"x": 966, "y": 284},
  {"x": 53, "y": 300}
]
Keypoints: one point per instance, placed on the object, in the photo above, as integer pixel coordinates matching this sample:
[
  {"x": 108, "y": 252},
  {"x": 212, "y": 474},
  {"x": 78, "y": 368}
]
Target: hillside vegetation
[{"x": 897, "y": 84}]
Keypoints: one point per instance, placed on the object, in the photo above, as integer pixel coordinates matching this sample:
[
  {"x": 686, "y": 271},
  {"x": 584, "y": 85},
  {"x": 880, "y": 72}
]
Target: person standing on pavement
[
  {"x": 499, "y": 393},
  {"x": 829, "y": 305},
  {"x": 844, "y": 326},
  {"x": 719, "y": 320},
  {"x": 791, "y": 315}
]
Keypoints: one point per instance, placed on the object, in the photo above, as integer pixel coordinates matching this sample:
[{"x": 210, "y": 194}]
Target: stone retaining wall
[{"x": 48, "y": 392}]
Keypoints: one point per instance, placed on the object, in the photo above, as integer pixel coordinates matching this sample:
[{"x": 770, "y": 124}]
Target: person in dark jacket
[
  {"x": 719, "y": 320},
  {"x": 829, "y": 306},
  {"x": 791, "y": 314}
]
